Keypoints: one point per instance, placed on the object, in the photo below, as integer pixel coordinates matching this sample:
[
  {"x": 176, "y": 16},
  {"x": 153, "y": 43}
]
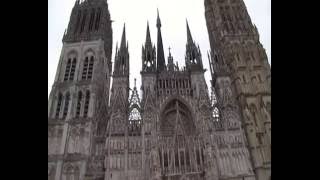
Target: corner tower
[
  {"x": 78, "y": 101},
  {"x": 234, "y": 42}
]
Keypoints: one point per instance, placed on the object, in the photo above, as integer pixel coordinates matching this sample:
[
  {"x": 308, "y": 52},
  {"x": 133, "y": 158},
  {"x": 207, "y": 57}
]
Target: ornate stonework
[{"x": 172, "y": 129}]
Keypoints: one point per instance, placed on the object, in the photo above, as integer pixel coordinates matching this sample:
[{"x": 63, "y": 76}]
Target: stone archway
[{"x": 176, "y": 116}]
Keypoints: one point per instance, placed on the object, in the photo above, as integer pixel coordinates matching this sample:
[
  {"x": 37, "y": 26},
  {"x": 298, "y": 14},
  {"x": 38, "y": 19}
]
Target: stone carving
[
  {"x": 226, "y": 93},
  {"x": 265, "y": 113},
  {"x": 248, "y": 115}
]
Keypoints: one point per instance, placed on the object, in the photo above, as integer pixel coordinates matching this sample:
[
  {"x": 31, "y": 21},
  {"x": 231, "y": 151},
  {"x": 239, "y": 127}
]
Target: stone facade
[
  {"x": 175, "y": 130},
  {"x": 238, "y": 60}
]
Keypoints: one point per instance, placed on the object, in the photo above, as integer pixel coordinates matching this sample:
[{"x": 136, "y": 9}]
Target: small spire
[
  {"x": 123, "y": 39},
  {"x": 169, "y": 51},
  {"x": 158, "y": 19},
  {"x": 135, "y": 83},
  {"x": 148, "y": 39},
  {"x": 188, "y": 33}
]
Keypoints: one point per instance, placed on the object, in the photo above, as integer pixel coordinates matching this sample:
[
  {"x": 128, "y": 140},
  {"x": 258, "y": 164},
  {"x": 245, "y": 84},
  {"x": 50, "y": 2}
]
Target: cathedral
[{"x": 172, "y": 127}]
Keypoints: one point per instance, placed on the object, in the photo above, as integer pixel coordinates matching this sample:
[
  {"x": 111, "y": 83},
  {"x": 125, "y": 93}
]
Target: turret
[
  {"x": 148, "y": 54},
  {"x": 193, "y": 55},
  {"x": 121, "y": 66}
]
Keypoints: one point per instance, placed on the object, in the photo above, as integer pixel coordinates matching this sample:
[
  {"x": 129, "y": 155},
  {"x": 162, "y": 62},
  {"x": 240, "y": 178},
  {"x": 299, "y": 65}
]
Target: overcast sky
[{"x": 136, "y": 13}]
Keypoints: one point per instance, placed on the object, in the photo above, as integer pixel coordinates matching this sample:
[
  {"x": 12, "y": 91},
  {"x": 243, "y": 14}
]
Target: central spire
[{"x": 160, "y": 54}]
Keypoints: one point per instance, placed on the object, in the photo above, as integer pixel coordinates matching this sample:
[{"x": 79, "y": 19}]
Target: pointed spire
[
  {"x": 189, "y": 33},
  {"x": 148, "y": 39},
  {"x": 160, "y": 53},
  {"x": 158, "y": 19},
  {"x": 123, "y": 39}
]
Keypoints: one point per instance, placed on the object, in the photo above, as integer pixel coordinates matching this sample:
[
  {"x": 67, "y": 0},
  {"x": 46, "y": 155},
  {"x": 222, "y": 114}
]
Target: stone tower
[
  {"x": 117, "y": 131},
  {"x": 77, "y": 106},
  {"x": 239, "y": 61}
]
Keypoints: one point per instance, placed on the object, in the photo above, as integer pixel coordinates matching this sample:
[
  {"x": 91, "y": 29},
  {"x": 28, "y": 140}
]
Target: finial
[
  {"x": 135, "y": 82},
  {"x": 169, "y": 50},
  {"x": 158, "y": 19}
]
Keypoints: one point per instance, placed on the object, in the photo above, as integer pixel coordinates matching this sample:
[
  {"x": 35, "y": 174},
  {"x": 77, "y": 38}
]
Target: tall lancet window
[
  {"x": 58, "y": 105},
  {"x": 66, "y": 73},
  {"x": 86, "y": 104},
  {"x": 78, "y": 110},
  {"x": 85, "y": 68},
  {"x": 73, "y": 68},
  {"x": 89, "y": 76},
  {"x": 66, "y": 105}
]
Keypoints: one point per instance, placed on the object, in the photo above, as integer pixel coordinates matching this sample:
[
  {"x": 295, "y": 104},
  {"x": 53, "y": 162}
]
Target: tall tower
[
  {"x": 235, "y": 46},
  {"x": 117, "y": 131},
  {"x": 78, "y": 99}
]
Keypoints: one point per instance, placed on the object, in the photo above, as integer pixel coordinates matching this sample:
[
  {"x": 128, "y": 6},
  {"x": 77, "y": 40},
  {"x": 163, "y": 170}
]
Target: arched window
[
  {"x": 89, "y": 76},
  {"x": 79, "y": 104},
  {"x": 66, "y": 105},
  {"x": 83, "y": 21},
  {"x": 66, "y": 73},
  {"x": 98, "y": 19},
  {"x": 86, "y": 104},
  {"x": 91, "y": 19},
  {"x": 85, "y": 68},
  {"x": 58, "y": 105},
  {"x": 73, "y": 68}
]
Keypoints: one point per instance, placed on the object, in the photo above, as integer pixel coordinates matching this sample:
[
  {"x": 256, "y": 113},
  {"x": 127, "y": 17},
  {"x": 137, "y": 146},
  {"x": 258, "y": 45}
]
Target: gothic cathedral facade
[{"x": 101, "y": 129}]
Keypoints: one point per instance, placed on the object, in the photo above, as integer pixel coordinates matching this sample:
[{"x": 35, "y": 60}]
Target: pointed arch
[{"x": 174, "y": 114}]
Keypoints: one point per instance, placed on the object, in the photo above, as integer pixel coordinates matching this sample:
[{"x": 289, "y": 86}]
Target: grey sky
[{"x": 136, "y": 13}]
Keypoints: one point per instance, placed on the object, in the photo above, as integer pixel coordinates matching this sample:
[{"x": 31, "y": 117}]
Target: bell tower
[
  {"x": 235, "y": 46},
  {"x": 79, "y": 96}
]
